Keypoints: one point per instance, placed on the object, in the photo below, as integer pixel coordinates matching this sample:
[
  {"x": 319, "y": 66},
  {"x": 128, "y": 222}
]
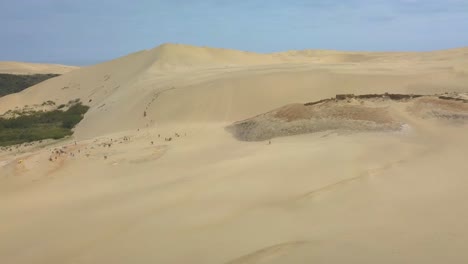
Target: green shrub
[
  {"x": 40, "y": 125},
  {"x": 12, "y": 83}
]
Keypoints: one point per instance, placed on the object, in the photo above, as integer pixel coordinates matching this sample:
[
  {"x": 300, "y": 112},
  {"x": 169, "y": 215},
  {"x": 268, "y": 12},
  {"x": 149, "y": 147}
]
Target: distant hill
[{"x": 15, "y": 67}]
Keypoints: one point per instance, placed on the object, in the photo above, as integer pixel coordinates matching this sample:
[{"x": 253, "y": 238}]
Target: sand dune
[
  {"x": 152, "y": 175},
  {"x": 225, "y": 86},
  {"x": 351, "y": 113},
  {"x": 12, "y": 67}
]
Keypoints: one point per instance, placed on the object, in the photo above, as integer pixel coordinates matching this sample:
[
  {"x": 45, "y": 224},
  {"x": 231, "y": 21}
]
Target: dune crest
[
  {"x": 179, "y": 55},
  {"x": 13, "y": 67}
]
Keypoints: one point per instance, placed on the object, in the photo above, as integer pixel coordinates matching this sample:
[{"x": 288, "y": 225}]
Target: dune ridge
[
  {"x": 13, "y": 67},
  {"x": 246, "y": 83},
  {"x": 351, "y": 113}
]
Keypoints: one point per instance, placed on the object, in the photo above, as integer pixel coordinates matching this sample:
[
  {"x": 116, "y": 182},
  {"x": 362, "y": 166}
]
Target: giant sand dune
[{"x": 203, "y": 155}]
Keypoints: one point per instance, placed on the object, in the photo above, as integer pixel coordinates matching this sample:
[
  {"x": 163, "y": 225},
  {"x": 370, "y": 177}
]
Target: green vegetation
[
  {"x": 35, "y": 126},
  {"x": 12, "y": 83}
]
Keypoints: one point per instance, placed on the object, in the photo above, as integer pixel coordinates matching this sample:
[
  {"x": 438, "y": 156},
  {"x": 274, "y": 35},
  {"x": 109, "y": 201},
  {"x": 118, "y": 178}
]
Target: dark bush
[
  {"x": 12, "y": 83},
  {"x": 40, "y": 125}
]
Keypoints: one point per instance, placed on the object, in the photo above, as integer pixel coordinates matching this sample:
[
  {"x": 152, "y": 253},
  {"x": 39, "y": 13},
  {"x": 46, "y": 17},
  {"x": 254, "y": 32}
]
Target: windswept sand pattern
[
  {"x": 363, "y": 176},
  {"x": 267, "y": 254},
  {"x": 154, "y": 98}
]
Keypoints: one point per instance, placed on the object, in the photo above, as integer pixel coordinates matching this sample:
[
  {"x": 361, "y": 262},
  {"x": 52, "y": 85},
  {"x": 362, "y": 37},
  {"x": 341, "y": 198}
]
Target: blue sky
[{"x": 83, "y": 32}]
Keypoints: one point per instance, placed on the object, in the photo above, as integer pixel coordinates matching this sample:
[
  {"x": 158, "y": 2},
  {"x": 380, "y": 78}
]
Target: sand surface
[{"x": 152, "y": 175}]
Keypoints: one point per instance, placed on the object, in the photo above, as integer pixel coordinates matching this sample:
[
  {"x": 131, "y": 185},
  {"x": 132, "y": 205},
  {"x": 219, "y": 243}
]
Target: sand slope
[
  {"x": 13, "y": 67},
  {"x": 175, "y": 187},
  {"x": 178, "y": 83}
]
